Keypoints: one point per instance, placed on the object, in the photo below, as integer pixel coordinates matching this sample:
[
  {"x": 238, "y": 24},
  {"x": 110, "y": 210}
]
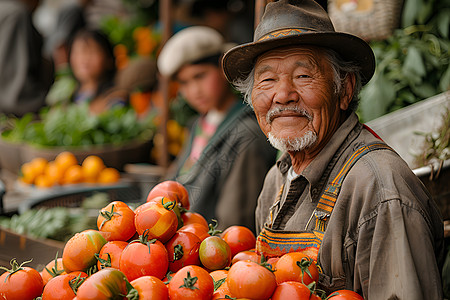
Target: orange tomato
[
  {"x": 249, "y": 255},
  {"x": 63, "y": 287},
  {"x": 117, "y": 219},
  {"x": 80, "y": 250},
  {"x": 52, "y": 269},
  {"x": 247, "y": 279},
  {"x": 171, "y": 189},
  {"x": 289, "y": 268},
  {"x": 239, "y": 238},
  {"x": 109, "y": 255},
  {"x": 159, "y": 220},
  {"x": 150, "y": 288},
  {"x": 196, "y": 228},
  {"x": 190, "y": 217},
  {"x": 291, "y": 290},
  {"x": 191, "y": 282}
]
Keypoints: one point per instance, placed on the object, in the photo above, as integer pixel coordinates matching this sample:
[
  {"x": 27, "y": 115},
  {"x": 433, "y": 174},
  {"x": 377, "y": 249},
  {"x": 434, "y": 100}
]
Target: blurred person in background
[
  {"x": 25, "y": 75},
  {"x": 92, "y": 61},
  {"x": 226, "y": 157}
]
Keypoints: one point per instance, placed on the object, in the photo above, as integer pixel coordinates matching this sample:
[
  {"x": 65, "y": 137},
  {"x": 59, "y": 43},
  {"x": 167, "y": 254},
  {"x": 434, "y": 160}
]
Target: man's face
[
  {"x": 203, "y": 86},
  {"x": 293, "y": 98}
]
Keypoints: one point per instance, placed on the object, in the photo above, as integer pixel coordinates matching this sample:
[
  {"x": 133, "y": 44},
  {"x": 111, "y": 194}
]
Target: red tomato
[
  {"x": 291, "y": 290},
  {"x": 158, "y": 219},
  {"x": 190, "y": 217},
  {"x": 183, "y": 250},
  {"x": 114, "y": 249},
  {"x": 80, "y": 250},
  {"x": 246, "y": 255},
  {"x": 345, "y": 295},
  {"x": 191, "y": 282},
  {"x": 197, "y": 229},
  {"x": 173, "y": 190},
  {"x": 144, "y": 258},
  {"x": 247, "y": 279},
  {"x": 108, "y": 283},
  {"x": 240, "y": 238},
  {"x": 63, "y": 287},
  {"x": 117, "y": 219},
  {"x": 52, "y": 269},
  {"x": 215, "y": 253},
  {"x": 150, "y": 288},
  {"x": 289, "y": 268},
  {"x": 20, "y": 283}
]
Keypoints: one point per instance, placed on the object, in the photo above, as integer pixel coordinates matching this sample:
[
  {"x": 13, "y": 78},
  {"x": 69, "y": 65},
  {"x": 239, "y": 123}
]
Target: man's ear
[{"x": 347, "y": 91}]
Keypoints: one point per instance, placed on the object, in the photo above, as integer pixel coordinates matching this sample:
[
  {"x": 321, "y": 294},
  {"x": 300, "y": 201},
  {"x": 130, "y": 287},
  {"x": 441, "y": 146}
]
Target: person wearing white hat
[
  {"x": 338, "y": 193},
  {"x": 226, "y": 157}
]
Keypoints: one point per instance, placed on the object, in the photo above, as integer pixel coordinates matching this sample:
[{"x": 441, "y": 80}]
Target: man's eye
[
  {"x": 267, "y": 79},
  {"x": 302, "y": 76}
]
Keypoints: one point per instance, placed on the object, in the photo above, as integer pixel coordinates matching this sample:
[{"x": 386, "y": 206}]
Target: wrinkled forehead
[{"x": 305, "y": 55}]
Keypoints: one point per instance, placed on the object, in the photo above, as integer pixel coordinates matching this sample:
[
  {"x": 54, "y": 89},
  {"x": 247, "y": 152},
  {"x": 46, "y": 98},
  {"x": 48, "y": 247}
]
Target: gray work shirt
[{"x": 384, "y": 238}]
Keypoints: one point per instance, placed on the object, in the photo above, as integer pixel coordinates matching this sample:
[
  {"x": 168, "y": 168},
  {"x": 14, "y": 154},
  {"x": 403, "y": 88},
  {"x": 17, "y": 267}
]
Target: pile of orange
[{"x": 65, "y": 169}]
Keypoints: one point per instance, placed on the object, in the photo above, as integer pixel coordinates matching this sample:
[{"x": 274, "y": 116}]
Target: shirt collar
[{"x": 314, "y": 171}]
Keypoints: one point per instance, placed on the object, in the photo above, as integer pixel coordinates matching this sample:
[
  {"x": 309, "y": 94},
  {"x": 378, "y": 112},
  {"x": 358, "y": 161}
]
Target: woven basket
[{"x": 367, "y": 19}]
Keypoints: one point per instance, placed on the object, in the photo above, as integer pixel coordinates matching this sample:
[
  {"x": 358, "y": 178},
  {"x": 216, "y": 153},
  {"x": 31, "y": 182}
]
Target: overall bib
[{"x": 275, "y": 243}]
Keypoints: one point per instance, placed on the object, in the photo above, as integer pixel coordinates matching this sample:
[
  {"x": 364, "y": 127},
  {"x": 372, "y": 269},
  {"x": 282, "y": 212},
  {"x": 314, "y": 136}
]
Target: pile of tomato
[{"x": 161, "y": 250}]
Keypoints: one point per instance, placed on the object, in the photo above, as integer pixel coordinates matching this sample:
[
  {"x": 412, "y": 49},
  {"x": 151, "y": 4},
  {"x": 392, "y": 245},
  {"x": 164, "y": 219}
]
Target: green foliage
[
  {"x": 412, "y": 64},
  {"x": 436, "y": 145},
  {"x": 74, "y": 126}
]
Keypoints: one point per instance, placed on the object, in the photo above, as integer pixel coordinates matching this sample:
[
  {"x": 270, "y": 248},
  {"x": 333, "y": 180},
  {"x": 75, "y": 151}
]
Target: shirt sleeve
[{"x": 395, "y": 257}]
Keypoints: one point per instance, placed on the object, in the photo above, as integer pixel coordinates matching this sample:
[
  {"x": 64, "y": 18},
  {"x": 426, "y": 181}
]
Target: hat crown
[{"x": 306, "y": 15}]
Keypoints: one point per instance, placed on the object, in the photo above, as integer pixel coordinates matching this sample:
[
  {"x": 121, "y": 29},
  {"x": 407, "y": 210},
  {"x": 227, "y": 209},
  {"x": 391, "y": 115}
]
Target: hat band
[{"x": 283, "y": 33}]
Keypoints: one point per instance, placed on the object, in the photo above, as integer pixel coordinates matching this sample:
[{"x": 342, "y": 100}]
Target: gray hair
[{"x": 340, "y": 69}]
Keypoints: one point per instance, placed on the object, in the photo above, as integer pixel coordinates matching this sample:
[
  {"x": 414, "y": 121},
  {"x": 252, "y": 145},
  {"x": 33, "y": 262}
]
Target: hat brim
[{"x": 239, "y": 61}]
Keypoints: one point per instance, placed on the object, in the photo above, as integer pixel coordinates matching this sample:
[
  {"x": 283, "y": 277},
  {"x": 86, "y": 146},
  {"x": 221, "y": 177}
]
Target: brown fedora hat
[{"x": 297, "y": 22}]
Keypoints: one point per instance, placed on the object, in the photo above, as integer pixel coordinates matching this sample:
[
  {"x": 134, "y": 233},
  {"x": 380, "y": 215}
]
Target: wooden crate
[{"x": 23, "y": 248}]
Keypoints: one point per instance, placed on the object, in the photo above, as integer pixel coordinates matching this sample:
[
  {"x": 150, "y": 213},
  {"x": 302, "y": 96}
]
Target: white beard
[{"x": 293, "y": 144}]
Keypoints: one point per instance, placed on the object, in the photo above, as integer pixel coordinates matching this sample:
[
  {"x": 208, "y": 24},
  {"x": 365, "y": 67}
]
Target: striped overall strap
[{"x": 329, "y": 197}]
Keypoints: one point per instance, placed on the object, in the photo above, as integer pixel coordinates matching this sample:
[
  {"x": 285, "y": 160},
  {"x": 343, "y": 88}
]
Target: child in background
[{"x": 92, "y": 62}]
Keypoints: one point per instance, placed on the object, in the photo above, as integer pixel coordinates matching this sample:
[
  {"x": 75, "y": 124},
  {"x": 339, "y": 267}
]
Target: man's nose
[{"x": 285, "y": 92}]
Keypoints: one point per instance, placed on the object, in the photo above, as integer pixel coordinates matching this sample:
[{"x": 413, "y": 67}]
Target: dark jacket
[{"x": 225, "y": 182}]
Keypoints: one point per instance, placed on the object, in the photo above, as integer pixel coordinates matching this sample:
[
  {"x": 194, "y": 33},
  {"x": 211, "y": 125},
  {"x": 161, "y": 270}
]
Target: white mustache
[{"x": 276, "y": 111}]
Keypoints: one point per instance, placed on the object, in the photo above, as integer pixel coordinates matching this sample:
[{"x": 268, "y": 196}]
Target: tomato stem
[
  {"x": 104, "y": 263},
  {"x": 54, "y": 271},
  {"x": 189, "y": 282},
  {"x": 304, "y": 265},
  {"x": 108, "y": 215},
  {"x": 177, "y": 252},
  {"x": 75, "y": 283},
  {"x": 168, "y": 205},
  {"x": 218, "y": 283},
  {"x": 15, "y": 267},
  {"x": 212, "y": 228}
]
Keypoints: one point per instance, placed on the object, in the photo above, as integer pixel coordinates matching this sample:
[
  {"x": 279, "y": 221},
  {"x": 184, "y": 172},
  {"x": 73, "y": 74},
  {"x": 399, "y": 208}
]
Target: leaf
[
  {"x": 413, "y": 64},
  {"x": 425, "y": 12},
  {"x": 443, "y": 22},
  {"x": 376, "y": 97},
  {"x": 410, "y": 10},
  {"x": 444, "y": 83}
]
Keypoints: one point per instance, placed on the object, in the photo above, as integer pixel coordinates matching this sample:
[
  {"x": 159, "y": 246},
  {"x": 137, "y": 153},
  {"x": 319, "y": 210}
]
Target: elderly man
[{"x": 339, "y": 194}]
